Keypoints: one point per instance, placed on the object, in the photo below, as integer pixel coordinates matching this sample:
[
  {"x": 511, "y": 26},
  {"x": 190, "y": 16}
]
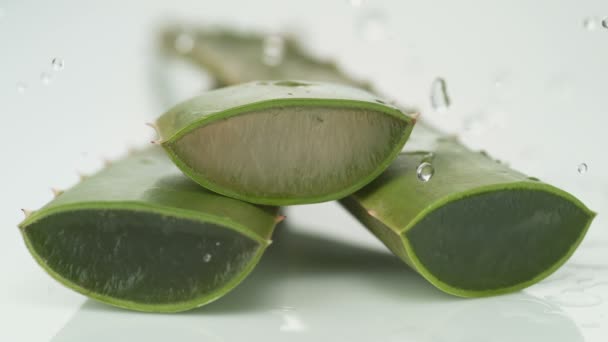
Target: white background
[{"x": 527, "y": 82}]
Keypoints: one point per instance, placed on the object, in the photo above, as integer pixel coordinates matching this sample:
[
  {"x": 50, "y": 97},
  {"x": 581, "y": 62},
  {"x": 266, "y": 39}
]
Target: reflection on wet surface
[{"x": 309, "y": 288}]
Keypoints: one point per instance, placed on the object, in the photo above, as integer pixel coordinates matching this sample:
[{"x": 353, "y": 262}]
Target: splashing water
[
  {"x": 582, "y": 168},
  {"x": 207, "y": 257},
  {"x": 425, "y": 171},
  {"x": 273, "y": 50},
  {"x": 590, "y": 23},
  {"x": 440, "y": 101},
  {"x": 57, "y": 63}
]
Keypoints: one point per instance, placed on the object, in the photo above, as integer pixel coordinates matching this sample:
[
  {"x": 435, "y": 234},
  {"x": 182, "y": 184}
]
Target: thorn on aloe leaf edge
[
  {"x": 27, "y": 212},
  {"x": 56, "y": 192},
  {"x": 153, "y": 126},
  {"x": 415, "y": 117}
]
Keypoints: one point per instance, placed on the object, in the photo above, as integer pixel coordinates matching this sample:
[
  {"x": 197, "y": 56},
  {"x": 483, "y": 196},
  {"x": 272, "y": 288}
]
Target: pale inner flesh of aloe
[{"x": 291, "y": 151}]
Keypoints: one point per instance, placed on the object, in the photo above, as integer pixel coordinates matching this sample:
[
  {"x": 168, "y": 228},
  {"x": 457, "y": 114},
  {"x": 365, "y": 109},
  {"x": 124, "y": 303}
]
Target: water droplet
[
  {"x": 45, "y": 78},
  {"x": 440, "y": 101},
  {"x": 207, "y": 257},
  {"x": 425, "y": 171},
  {"x": 371, "y": 26},
  {"x": 582, "y": 168},
  {"x": 590, "y": 23},
  {"x": 273, "y": 50},
  {"x": 218, "y": 243},
  {"x": 356, "y": 3},
  {"x": 57, "y": 63},
  {"x": 605, "y": 23},
  {"x": 184, "y": 43},
  {"x": 21, "y": 87}
]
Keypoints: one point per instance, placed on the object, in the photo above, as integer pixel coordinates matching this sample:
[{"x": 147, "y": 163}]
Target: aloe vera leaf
[
  {"x": 284, "y": 142},
  {"x": 140, "y": 235},
  {"x": 233, "y": 57},
  {"x": 477, "y": 227}
]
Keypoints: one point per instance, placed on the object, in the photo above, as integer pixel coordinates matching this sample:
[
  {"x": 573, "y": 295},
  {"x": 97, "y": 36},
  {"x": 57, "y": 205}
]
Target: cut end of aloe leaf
[
  {"x": 284, "y": 142},
  {"x": 139, "y": 260},
  {"x": 140, "y": 235},
  {"x": 496, "y": 241},
  {"x": 476, "y": 228}
]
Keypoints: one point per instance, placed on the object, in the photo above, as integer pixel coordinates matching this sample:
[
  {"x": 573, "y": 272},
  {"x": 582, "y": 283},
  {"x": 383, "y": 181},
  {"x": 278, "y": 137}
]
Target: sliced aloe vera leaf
[
  {"x": 284, "y": 142},
  {"x": 233, "y": 57},
  {"x": 477, "y": 227},
  {"x": 140, "y": 235}
]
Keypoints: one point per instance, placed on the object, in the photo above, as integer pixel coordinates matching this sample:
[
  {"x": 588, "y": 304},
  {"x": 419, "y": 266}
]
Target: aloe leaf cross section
[
  {"x": 142, "y": 236},
  {"x": 476, "y": 228},
  {"x": 284, "y": 142}
]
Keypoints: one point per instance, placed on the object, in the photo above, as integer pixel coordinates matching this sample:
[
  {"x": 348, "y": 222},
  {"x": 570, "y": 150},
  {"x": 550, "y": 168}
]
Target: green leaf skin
[
  {"x": 476, "y": 228},
  {"x": 284, "y": 142},
  {"x": 139, "y": 235},
  {"x": 234, "y": 58}
]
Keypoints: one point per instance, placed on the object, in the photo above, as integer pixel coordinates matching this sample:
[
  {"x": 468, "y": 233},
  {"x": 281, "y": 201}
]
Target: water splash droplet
[
  {"x": 356, "y": 3},
  {"x": 218, "y": 243},
  {"x": 21, "y": 87},
  {"x": 425, "y": 171},
  {"x": 590, "y": 23},
  {"x": 605, "y": 23},
  {"x": 371, "y": 26},
  {"x": 184, "y": 43},
  {"x": 45, "y": 78},
  {"x": 57, "y": 63},
  {"x": 273, "y": 50},
  {"x": 440, "y": 101},
  {"x": 207, "y": 257},
  {"x": 582, "y": 168}
]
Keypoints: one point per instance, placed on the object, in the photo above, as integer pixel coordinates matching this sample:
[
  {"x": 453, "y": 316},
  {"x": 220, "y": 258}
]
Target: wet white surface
[{"x": 526, "y": 82}]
